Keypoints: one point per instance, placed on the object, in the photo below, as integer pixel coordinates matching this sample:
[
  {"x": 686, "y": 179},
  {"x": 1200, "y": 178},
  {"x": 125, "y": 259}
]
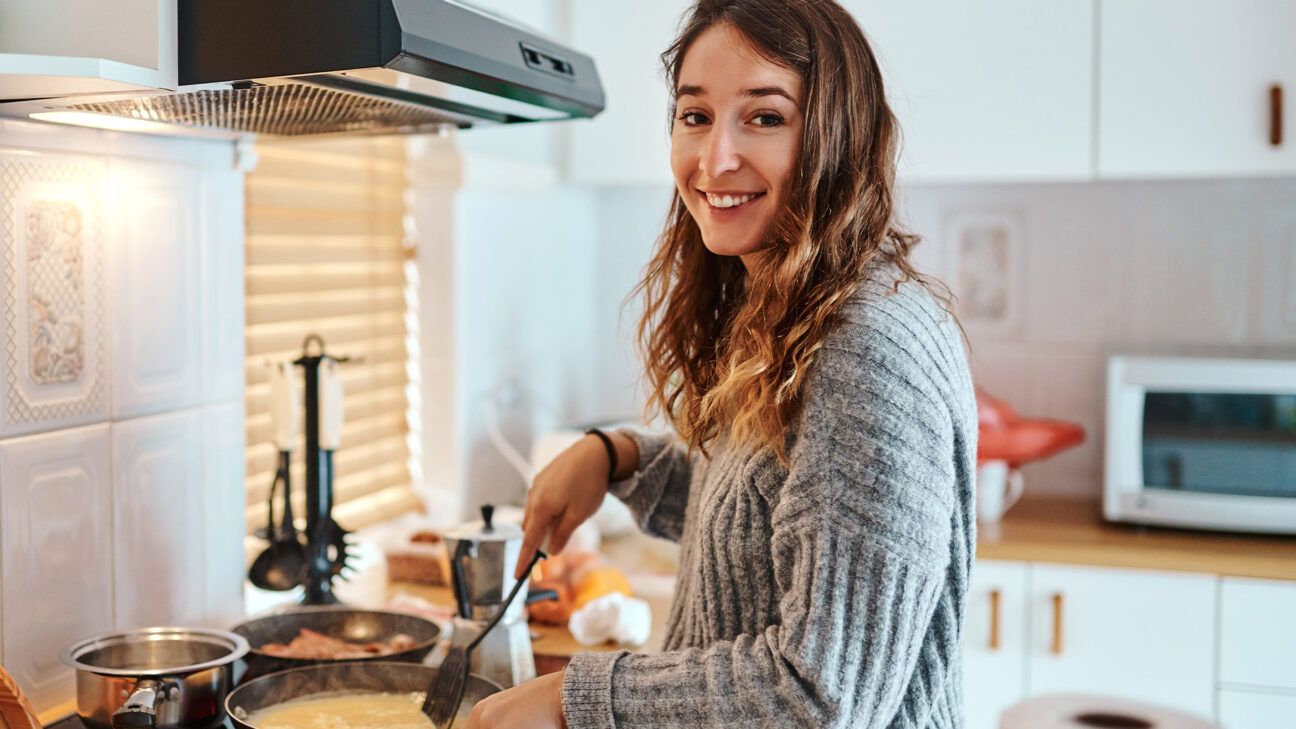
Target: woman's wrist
[{"x": 627, "y": 451}]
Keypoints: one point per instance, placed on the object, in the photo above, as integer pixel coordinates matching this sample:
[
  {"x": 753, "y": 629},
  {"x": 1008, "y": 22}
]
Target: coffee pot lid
[{"x": 485, "y": 530}]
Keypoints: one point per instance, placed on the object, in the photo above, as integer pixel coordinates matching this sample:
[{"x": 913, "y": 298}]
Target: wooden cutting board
[{"x": 15, "y": 711}]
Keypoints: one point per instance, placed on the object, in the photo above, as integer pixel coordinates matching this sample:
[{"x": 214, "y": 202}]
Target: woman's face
[{"x": 735, "y": 140}]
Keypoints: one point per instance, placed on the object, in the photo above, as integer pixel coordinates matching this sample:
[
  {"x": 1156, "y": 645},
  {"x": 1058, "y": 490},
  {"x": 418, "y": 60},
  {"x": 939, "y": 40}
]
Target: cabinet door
[
  {"x": 1184, "y": 87},
  {"x": 994, "y": 642},
  {"x": 629, "y": 143},
  {"x": 1140, "y": 635},
  {"x": 1247, "y": 710},
  {"x": 86, "y": 46},
  {"x": 995, "y": 90},
  {"x": 1257, "y": 633}
]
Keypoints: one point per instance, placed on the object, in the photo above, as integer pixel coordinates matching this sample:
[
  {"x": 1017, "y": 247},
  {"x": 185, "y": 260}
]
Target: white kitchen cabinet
[
  {"x": 1184, "y": 87},
  {"x": 989, "y": 92},
  {"x": 994, "y": 642},
  {"x": 1255, "y": 710},
  {"x": 155, "y": 252},
  {"x": 159, "y": 561},
  {"x": 1258, "y": 633},
  {"x": 56, "y": 553},
  {"x": 1142, "y": 635},
  {"x": 53, "y": 47},
  {"x": 629, "y": 143},
  {"x": 998, "y": 90}
]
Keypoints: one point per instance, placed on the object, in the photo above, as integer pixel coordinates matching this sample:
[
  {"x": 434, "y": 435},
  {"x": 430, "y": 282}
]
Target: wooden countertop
[
  {"x": 1072, "y": 531},
  {"x": 552, "y": 640}
]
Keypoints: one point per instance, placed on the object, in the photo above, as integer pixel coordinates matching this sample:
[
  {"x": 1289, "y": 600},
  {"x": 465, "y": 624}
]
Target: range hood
[{"x": 309, "y": 67}]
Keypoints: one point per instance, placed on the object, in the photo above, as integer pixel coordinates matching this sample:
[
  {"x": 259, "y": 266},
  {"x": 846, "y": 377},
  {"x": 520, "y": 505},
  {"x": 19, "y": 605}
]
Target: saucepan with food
[
  {"x": 364, "y": 695},
  {"x": 321, "y": 635}
]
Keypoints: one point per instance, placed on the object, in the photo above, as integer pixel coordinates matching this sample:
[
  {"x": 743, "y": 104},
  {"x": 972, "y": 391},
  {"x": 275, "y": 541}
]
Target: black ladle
[{"x": 282, "y": 565}]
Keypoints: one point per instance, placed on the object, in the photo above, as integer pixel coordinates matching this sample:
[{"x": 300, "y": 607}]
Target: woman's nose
[{"x": 720, "y": 154}]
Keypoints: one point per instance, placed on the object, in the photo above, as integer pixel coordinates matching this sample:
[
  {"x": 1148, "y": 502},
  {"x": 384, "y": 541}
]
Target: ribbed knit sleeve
[
  {"x": 657, "y": 492},
  {"x": 862, "y": 531}
]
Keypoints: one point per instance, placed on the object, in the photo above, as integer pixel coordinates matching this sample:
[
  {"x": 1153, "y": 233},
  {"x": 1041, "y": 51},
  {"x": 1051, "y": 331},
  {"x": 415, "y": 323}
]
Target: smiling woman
[{"x": 820, "y": 480}]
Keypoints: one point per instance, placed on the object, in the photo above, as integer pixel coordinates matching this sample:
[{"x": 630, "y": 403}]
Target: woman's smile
[{"x": 725, "y": 205}]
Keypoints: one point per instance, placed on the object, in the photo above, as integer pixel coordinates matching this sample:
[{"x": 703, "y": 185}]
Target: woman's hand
[
  {"x": 536, "y": 704},
  {"x": 566, "y": 493}
]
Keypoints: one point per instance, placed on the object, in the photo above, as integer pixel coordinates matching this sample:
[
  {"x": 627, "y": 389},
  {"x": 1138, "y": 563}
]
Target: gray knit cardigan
[{"x": 829, "y": 593}]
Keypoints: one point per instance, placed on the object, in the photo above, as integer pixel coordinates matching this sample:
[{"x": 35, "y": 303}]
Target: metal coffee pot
[{"x": 483, "y": 556}]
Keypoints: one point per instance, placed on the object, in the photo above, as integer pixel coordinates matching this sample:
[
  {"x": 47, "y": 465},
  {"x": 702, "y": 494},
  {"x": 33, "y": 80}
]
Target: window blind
[{"x": 327, "y": 254}]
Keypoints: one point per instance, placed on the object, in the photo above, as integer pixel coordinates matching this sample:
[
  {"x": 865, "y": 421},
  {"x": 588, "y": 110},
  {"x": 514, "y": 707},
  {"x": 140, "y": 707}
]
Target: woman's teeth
[{"x": 729, "y": 201}]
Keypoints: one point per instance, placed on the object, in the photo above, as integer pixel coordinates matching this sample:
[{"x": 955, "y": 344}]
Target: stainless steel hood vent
[
  {"x": 305, "y": 67},
  {"x": 284, "y": 110}
]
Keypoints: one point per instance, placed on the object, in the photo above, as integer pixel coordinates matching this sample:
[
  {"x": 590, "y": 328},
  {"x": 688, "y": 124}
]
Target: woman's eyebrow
[{"x": 694, "y": 90}]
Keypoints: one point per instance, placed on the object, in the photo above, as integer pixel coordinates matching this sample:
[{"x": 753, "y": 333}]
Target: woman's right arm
[{"x": 652, "y": 478}]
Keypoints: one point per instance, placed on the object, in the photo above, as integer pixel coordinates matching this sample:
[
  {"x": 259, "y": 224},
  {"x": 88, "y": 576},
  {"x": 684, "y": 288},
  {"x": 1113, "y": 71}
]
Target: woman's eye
[
  {"x": 692, "y": 118},
  {"x": 768, "y": 120}
]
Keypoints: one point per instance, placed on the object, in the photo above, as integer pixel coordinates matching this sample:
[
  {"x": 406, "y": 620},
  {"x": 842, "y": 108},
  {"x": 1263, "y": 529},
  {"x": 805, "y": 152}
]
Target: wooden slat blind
[{"x": 327, "y": 253}]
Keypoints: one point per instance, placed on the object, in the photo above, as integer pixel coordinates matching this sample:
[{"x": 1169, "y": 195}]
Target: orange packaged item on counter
[
  {"x": 600, "y": 582},
  {"x": 551, "y": 612}
]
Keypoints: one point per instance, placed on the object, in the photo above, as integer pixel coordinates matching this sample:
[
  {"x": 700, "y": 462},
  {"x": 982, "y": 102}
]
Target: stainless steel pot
[{"x": 167, "y": 678}]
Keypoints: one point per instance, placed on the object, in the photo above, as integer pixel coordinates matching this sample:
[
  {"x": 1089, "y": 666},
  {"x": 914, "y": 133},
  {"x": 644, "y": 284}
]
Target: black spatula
[{"x": 446, "y": 693}]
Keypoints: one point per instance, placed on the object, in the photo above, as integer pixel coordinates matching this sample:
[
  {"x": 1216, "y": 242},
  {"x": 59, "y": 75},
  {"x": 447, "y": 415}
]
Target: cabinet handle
[
  {"x": 1276, "y": 115},
  {"x": 1056, "y": 648},
  {"x": 995, "y": 597}
]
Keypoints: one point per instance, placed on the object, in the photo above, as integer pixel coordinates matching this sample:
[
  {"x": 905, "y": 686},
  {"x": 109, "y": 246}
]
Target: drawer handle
[
  {"x": 1276, "y": 115},
  {"x": 995, "y": 598},
  {"x": 1056, "y": 648}
]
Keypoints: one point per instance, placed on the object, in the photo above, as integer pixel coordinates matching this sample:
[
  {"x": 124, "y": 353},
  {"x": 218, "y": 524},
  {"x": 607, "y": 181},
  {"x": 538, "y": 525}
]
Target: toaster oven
[{"x": 1202, "y": 443}]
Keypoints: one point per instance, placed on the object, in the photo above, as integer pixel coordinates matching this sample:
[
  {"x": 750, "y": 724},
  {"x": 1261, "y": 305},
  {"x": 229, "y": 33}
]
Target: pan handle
[
  {"x": 535, "y": 596},
  {"x": 140, "y": 710}
]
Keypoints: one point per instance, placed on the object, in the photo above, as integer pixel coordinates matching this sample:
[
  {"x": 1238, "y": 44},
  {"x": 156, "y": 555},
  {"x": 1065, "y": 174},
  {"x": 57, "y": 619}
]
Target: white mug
[{"x": 997, "y": 488}]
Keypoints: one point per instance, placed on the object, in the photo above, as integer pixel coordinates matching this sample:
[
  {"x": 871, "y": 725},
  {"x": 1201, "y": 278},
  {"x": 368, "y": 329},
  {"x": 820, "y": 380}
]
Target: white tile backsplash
[
  {"x": 159, "y": 520},
  {"x": 156, "y": 290},
  {"x": 56, "y": 534},
  {"x": 125, "y": 251}
]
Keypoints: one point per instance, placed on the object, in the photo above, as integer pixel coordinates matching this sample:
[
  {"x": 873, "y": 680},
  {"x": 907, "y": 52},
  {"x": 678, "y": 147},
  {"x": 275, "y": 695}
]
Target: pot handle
[{"x": 140, "y": 710}]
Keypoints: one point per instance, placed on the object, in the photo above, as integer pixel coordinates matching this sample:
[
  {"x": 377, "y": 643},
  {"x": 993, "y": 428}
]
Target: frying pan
[
  {"x": 349, "y": 624},
  {"x": 357, "y": 677}
]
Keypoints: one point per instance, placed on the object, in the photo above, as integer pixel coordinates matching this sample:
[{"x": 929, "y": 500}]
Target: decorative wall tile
[
  {"x": 985, "y": 258},
  {"x": 55, "y": 492},
  {"x": 54, "y": 299},
  {"x": 223, "y": 472},
  {"x": 159, "y": 564},
  {"x": 156, "y": 292}
]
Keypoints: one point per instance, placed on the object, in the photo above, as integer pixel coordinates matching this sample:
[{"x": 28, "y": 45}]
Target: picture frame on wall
[{"x": 985, "y": 259}]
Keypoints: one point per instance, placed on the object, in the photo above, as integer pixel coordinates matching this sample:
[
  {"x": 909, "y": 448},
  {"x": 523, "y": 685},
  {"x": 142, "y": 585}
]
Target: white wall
[{"x": 1159, "y": 267}]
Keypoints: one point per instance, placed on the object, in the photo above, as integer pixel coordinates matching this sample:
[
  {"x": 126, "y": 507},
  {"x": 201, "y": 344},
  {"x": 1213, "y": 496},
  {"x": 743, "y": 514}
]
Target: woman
[{"x": 823, "y": 491}]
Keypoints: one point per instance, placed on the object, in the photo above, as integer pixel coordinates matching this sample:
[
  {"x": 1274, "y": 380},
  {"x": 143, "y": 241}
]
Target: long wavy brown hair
[{"x": 727, "y": 351}]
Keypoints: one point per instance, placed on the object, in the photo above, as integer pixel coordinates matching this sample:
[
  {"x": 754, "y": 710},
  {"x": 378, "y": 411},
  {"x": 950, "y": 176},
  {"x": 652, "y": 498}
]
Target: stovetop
[{"x": 73, "y": 721}]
